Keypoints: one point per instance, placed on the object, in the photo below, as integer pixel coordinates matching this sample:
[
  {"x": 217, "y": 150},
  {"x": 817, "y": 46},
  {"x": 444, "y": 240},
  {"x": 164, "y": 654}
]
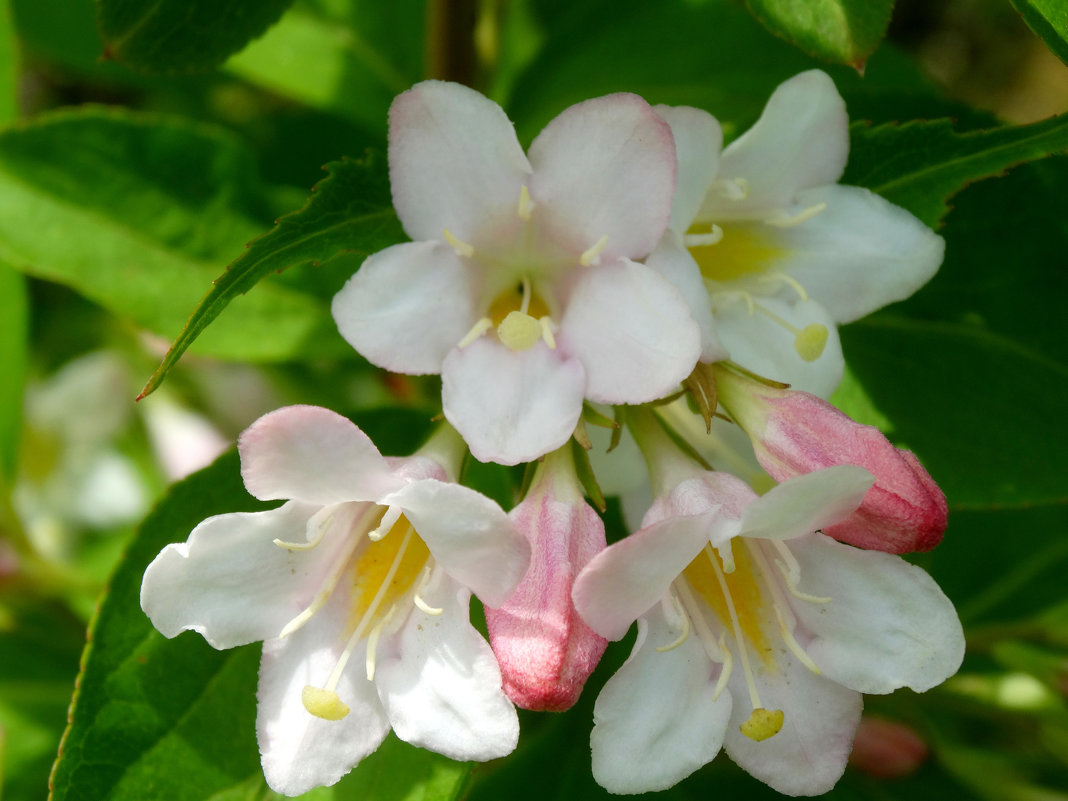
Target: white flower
[
  {"x": 756, "y": 633},
  {"x": 359, "y": 587},
  {"x": 783, "y": 250},
  {"x": 520, "y": 287}
]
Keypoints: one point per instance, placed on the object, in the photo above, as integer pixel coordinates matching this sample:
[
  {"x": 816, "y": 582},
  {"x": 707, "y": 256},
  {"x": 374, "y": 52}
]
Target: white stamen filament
[
  {"x": 791, "y": 571},
  {"x": 389, "y": 519},
  {"x": 717, "y": 651},
  {"x": 736, "y": 626},
  {"x": 372, "y": 642},
  {"x": 685, "y": 620},
  {"x": 809, "y": 341},
  {"x": 783, "y": 220},
  {"x": 477, "y": 330},
  {"x": 793, "y": 283},
  {"x": 524, "y": 303},
  {"x": 726, "y": 556},
  {"x": 733, "y": 188},
  {"x": 326, "y": 590},
  {"x": 462, "y": 248},
  {"x": 526, "y": 205},
  {"x": 321, "y": 527},
  {"x": 783, "y": 613},
  {"x": 547, "y": 331},
  {"x": 592, "y": 256},
  {"x": 417, "y": 597},
  {"x": 712, "y": 237}
]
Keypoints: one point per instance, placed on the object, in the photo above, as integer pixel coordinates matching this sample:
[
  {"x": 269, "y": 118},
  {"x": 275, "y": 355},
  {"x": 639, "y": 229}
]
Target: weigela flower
[
  {"x": 520, "y": 287},
  {"x": 359, "y": 587},
  {"x": 756, "y": 633},
  {"x": 546, "y": 651},
  {"x": 770, "y": 250},
  {"x": 794, "y": 433}
]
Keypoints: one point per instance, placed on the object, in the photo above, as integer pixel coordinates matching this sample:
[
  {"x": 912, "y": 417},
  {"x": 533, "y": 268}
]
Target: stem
[{"x": 450, "y": 40}]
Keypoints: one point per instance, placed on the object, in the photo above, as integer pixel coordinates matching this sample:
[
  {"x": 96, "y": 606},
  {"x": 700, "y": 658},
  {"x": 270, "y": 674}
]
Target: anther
[
  {"x": 462, "y": 248},
  {"x": 477, "y": 330},
  {"x": 592, "y": 256},
  {"x": 703, "y": 240},
  {"x": 726, "y": 556},
  {"x": 784, "y": 220},
  {"x": 809, "y": 342},
  {"x": 681, "y": 613},
  {"x": 526, "y": 205},
  {"x": 733, "y": 188}
]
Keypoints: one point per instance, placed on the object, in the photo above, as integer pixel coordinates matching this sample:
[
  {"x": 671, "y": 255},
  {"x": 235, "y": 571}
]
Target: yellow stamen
[
  {"x": 592, "y": 256},
  {"x": 526, "y": 205},
  {"x": 685, "y": 627},
  {"x": 784, "y": 220},
  {"x": 477, "y": 330},
  {"x": 696, "y": 240},
  {"x": 809, "y": 342},
  {"x": 323, "y": 704},
  {"x": 461, "y": 247},
  {"x": 519, "y": 331},
  {"x": 762, "y": 724}
]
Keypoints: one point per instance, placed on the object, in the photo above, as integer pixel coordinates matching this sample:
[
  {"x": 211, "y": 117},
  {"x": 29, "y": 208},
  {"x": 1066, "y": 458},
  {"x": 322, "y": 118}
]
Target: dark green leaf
[
  {"x": 401, "y": 772},
  {"x": 9, "y": 107},
  {"x": 1049, "y": 19},
  {"x": 137, "y": 212},
  {"x": 350, "y": 211},
  {"x": 158, "y": 718},
  {"x": 919, "y": 165},
  {"x": 14, "y": 333},
  {"x": 169, "y": 36},
  {"x": 845, "y": 31}
]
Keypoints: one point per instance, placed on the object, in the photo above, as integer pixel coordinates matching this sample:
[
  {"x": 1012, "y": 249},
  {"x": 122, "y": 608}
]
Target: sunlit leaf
[
  {"x": 139, "y": 213},
  {"x": 1049, "y": 19},
  {"x": 845, "y": 31},
  {"x": 919, "y": 165},
  {"x": 349, "y": 211},
  {"x": 181, "y": 35}
]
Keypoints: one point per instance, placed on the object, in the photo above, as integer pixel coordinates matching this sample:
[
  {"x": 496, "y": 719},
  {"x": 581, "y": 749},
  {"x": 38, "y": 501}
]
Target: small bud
[{"x": 887, "y": 750}]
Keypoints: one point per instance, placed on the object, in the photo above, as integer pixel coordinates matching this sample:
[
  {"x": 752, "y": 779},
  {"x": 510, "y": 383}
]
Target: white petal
[
  {"x": 300, "y": 751},
  {"x": 622, "y": 582},
  {"x": 766, "y": 347},
  {"x": 632, "y": 331},
  {"x": 511, "y": 406},
  {"x": 800, "y": 141},
  {"x": 231, "y": 583},
  {"x": 469, "y": 535},
  {"x": 820, "y": 717},
  {"x": 604, "y": 168},
  {"x": 860, "y": 253},
  {"x": 888, "y": 625},
  {"x": 698, "y": 141},
  {"x": 408, "y": 306},
  {"x": 454, "y": 162},
  {"x": 655, "y": 721},
  {"x": 674, "y": 262},
  {"x": 441, "y": 685},
  {"x": 809, "y": 502},
  {"x": 311, "y": 454}
]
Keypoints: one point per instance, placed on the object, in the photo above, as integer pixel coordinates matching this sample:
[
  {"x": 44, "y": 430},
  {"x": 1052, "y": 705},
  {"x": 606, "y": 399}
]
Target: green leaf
[
  {"x": 844, "y": 31},
  {"x": 9, "y": 107},
  {"x": 401, "y": 772},
  {"x": 919, "y": 165},
  {"x": 350, "y": 57},
  {"x": 1049, "y": 19},
  {"x": 983, "y": 413},
  {"x": 170, "y": 36},
  {"x": 349, "y": 211},
  {"x": 158, "y": 718},
  {"x": 137, "y": 212},
  {"x": 14, "y": 339}
]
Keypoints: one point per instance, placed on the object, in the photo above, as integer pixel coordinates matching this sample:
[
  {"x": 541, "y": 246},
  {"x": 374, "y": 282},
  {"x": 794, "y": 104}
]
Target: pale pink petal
[
  {"x": 469, "y": 535},
  {"x": 230, "y": 583},
  {"x": 888, "y": 624},
  {"x": 808, "y": 756},
  {"x": 632, "y": 331},
  {"x": 766, "y": 347},
  {"x": 454, "y": 162},
  {"x": 311, "y": 454},
  {"x": 624, "y": 580},
  {"x": 804, "y": 504},
  {"x": 511, "y": 406},
  {"x": 408, "y": 306},
  {"x": 440, "y": 683},
  {"x": 800, "y": 141},
  {"x": 604, "y": 168},
  {"x": 674, "y": 262},
  {"x": 859, "y": 254},
  {"x": 705, "y": 492},
  {"x": 298, "y": 750},
  {"x": 545, "y": 649},
  {"x": 698, "y": 141},
  {"x": 656, "y": 720}
]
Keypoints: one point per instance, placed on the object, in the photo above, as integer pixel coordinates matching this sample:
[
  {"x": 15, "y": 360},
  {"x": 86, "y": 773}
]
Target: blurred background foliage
[{"x": 126, "y": 190}]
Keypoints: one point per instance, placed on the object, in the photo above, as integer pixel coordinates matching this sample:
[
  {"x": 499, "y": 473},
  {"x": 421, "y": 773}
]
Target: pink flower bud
[
  {"x": 887, "y": 750},
  {"x": 795, "y": 433},
  {"x": 545, "y": 650}
]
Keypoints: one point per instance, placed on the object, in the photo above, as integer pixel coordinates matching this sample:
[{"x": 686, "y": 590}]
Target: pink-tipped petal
[
  {"x": 698, "y": 141},
  {"x": 454, "y": 162},
  {"x": 605, "y": 168}
]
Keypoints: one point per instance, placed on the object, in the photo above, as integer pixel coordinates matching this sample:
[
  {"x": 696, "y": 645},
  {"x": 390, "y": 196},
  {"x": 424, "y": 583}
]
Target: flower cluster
[{"x": 626, "y": 259}]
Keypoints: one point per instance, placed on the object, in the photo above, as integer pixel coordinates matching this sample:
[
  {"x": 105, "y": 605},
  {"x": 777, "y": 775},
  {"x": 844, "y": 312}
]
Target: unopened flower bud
[
  {"x": 795, "y": 432},
  {"x": 887, "y": 750},
  {"x": 545, "y": 650}
]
